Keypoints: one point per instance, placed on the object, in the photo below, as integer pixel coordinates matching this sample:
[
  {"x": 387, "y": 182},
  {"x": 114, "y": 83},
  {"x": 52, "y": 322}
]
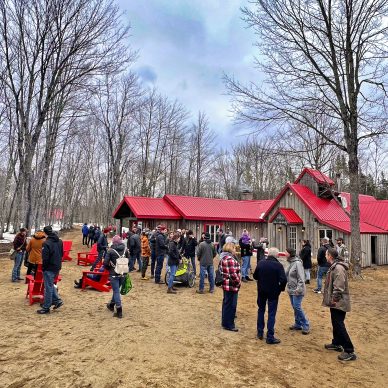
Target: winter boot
[
  {"x": 119, "y": 312},
  {"x": 170, "y": 291},
  {"x": 111, "y": 306}
]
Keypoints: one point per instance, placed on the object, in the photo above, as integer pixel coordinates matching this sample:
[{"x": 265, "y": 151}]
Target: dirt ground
[{"x": 176, "y": 340}]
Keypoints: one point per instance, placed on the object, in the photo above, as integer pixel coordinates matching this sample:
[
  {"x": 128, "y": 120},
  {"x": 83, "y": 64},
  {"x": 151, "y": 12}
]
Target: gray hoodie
[
  {"x": 206, "y": 253},
  {"x": 295, "y": 277}
]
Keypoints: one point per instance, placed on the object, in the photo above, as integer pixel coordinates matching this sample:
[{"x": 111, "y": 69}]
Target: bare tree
[
  {"x": 47, "y": 47},
  {"x": 328, "y": 53}
]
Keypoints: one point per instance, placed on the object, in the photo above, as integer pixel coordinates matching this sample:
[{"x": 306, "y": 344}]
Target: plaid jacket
[
  {"x": 145, "y": 247},
  {"x": 231, "y": 272}
]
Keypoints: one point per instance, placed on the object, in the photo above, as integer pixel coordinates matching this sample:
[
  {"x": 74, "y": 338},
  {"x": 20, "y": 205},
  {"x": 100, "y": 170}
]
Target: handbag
[
  {"x": 127, "y": 285},
  {"x": 12, "y": 254},
  {"x": 219, "y": 280}
]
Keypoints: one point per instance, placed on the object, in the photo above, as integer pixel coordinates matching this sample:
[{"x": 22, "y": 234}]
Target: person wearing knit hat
[
  {"x": 296, "y": 289},
  {"x": 117, "y": 249}
]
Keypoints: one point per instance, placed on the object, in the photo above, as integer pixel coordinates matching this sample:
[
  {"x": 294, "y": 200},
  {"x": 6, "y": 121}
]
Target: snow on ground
[{"x": 9, "y": 237}]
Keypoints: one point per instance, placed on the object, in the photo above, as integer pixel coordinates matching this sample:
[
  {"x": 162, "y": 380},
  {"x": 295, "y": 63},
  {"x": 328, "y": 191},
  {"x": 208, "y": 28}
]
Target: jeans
[
  {"x": 84, "y": 239},
  {"x": 262, "y": 300},
  {"x": 50, "y": 291},
  {"x": 153, "y": 262},
  {"x": 173, "y": 269},
  {"x": 132, "y": 261},
  {"x": 300, "y": 317},
  {"x": 116, "y": 282},
  {"x": 307, "y": 273},
  {"x": 192, "y": 258},
  {"x": 159, "y": 267},
  {"x": 17, "y": 266},
  {"x": 229, "y": 306},
  {"x": 246, "y": 265},
  {"x": 144, "y": 260},
  {"x": 340, "y": 334},
  {"x": 202, "y": 273},
  {"x": 321, "y": 271}
]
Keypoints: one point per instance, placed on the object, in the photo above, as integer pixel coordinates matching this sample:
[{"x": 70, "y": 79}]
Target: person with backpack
[
  {"x": 85, "y": 232},
  {"x": 115, "y": 257},
  {"x": 91, "y": 236}
]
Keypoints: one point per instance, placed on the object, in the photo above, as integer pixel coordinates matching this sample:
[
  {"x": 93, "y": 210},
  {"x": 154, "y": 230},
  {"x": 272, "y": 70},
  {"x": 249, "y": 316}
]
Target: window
[
  {"x": 326, "y": 233},
  {"x": 292, "y": 237},
  {"x": 213, "y": 229}
]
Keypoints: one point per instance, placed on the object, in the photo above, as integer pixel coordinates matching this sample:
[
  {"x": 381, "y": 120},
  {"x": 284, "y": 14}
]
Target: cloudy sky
[{"x": 184, "y": 48}]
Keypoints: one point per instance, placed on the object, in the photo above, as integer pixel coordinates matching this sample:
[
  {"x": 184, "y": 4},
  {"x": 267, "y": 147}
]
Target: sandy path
[{"x": 166, "y": 340}]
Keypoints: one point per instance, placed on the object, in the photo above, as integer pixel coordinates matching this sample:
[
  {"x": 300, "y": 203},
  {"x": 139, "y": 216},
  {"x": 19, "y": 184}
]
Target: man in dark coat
[
  {"x": 221, "y": 240},
  {"x": 188, "y": 248},
  {"x": 102, "y": 245},
  {"x": 323, "y": 265},
  {"x": 271, "y": 281},
  {"x": 52, "y": 253},
  {"x": 85, "y": 233},
  {"x": 134, "y": 246},
  {"x": 161, "y": 248},
  {"x": 91, "y": 235}
]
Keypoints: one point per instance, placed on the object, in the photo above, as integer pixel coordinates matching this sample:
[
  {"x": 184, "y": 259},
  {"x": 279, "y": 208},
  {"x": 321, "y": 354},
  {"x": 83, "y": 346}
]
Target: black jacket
[
  {"x": 173, "y": 253},
  {"x": 52, "y": 252},
  {"x": 189, "y": 245},
  {"x": 271, "y": 277},
  {"x": 153, "y": 242},
  {"x": 160, "y": 244},
  {"x": 305, "y": 255},
  {"x": 260, "y": 254},
  {"x": 221, "y": 242},
  {"x": 111, "y": 257},
  {"x": 102, "y": 243},
  {"x": 134, "y": 244},
  {"x": 321, "y": 256},
  {"x": 246, "y": 249}
]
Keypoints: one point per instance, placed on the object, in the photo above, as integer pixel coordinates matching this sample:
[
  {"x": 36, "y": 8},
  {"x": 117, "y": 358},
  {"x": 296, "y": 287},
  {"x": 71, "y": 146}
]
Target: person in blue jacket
[{"x": 85, "y": 233}]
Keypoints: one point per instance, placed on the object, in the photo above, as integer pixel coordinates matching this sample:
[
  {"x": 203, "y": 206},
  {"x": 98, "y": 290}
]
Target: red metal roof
[
  {"x": 317, "y": 175},
  {"x": 149, "y": 208},
  {"x": 375, "y": 213},
  {"x": 362, "y": 198},
  {"x": 199, "y": 208},
  {"x": 290, "y": 216},
  {"x": 327, "y": 211}
]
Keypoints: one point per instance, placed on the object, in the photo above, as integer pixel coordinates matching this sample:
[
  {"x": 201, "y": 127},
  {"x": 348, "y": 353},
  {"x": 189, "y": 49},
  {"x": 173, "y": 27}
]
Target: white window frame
[{"x": 292, "y": 236}]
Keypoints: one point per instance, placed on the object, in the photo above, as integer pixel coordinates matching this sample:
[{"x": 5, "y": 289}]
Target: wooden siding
[{"x": 308, "y": 180}]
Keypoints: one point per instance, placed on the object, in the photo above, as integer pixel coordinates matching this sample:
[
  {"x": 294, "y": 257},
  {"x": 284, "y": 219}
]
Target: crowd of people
[{"x": 146, "y": 248}]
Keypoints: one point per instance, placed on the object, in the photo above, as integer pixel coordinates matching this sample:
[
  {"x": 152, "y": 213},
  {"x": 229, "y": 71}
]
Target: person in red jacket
[{"x": 231, "y": 273}]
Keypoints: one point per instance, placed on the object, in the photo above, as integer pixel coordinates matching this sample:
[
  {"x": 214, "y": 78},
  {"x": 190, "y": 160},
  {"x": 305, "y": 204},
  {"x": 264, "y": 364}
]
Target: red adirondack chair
[
  {"x": 102, "y": 285},
  {"x": 35, "y": 286},
  {"x": 66, "y": 250},
  {"x": 87, "y": 258}
]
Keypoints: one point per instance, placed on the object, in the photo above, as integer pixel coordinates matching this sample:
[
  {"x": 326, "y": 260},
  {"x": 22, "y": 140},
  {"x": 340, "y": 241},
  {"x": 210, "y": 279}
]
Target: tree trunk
[{"x": 355, "y": 251}]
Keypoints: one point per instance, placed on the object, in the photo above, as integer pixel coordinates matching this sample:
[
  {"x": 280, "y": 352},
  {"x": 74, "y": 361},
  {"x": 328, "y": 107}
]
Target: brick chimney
[{"x": 246, "y": 195}]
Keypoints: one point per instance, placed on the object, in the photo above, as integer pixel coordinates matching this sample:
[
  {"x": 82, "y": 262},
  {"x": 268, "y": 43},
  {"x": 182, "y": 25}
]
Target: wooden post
[{"x": 121, "y": 227}]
